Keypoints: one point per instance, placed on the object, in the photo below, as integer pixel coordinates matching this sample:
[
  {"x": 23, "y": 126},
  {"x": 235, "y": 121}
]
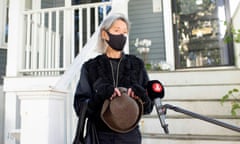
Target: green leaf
[
  {"x": 233, "y": 112},
  {"x": 230, "y": 92},
  {"x": 225, "y": 22},
  {"x": 228, "y": 39},
  {"x": 235, "y": 90},
  {"x": 233, "y": 31},
  {"x": 237, "y": 38},
  {"x": 235, "y": 106},
  {"x": 224, "y": 98}
]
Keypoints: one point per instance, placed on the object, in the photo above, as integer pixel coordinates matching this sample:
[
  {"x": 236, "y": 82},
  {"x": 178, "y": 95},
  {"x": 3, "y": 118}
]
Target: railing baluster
[
  {"x": 57, "y": 41},
  {"x": 73, "y": 34},
  {"x": 34, "y": 41},
  {"x": 27, "y": 53},
  {"x": 49, "y": 39},
  {"x": 42, "y": 42},
  {"x": 88, "y": 23},
  {"x": 80, "y": 26},
  {"x": 53, "y": 44},
  {"x": 104, "y": 11},
  {"x": 46, "y": 47},
  {"x": 96, "y": 17}
]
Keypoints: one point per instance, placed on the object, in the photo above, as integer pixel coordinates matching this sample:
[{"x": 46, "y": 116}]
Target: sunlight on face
[{"x": 119, "y": 27}]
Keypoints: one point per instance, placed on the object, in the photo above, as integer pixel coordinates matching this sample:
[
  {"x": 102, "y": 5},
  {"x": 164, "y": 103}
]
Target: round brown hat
[{"x": 123, "y": 113}]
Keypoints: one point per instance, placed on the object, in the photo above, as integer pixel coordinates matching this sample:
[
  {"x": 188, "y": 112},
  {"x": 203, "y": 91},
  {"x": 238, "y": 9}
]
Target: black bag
[{"x": 91, "y": 134}]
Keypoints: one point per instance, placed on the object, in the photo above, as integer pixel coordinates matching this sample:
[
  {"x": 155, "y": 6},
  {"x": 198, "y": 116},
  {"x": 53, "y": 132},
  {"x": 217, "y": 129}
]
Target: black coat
[{"x": 97, "y": 72}]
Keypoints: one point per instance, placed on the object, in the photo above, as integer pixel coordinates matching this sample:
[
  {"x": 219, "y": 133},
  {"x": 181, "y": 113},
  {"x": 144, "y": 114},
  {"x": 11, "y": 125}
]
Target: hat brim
[{"x": 124, "y": 120}]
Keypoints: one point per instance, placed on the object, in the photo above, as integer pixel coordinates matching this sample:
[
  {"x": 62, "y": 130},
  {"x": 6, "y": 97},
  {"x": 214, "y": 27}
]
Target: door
[{"x": 199, "y": 32}]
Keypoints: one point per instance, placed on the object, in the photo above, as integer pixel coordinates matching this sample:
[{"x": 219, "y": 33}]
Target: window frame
[{"x": 3, "y": 22}]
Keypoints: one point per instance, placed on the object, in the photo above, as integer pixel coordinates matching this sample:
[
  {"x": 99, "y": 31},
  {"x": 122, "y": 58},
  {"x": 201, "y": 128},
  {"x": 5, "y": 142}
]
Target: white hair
[{"x": 106, "y": 25}]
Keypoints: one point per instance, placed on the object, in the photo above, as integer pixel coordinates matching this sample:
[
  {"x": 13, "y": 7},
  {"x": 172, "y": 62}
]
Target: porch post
[
  {"x": 236, "y": 25},
  {"x": 68, "y": 47},
  {"x": 168, "y": 33},
  {"x": 15, "y": 44},
  {"x": 43, "y": 117}
]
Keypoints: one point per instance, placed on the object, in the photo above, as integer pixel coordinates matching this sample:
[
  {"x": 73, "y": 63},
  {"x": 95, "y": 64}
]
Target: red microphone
[
  {"x": 155, "y": 89},
  {"x": 156, "y": 92}
]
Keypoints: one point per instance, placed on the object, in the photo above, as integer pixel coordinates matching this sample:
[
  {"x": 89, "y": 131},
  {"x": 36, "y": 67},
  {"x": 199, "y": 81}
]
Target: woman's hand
[
  {"x": 116, "y": 92},
  {"x": 132, "y": 94}
]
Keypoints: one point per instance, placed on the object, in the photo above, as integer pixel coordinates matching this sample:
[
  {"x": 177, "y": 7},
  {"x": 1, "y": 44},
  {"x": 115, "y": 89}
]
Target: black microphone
[{"x": 155, "y": 91}]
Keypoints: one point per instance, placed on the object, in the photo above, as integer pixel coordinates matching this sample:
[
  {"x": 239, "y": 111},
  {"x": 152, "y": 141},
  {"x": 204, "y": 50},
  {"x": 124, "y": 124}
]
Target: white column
[
  {"x": 43, "y": 117},
  {"x": 15, "y": 34},
  {"x": 120, "y": 6},
  {"x": 10, "y": 117},
  {"x": 15, "y": 44},
  {"x": 67, "y": 40},
  {"x": 236, "y": 25},
  {"x": 168, "y": 33},
  {"x": 237, "y": 54}
]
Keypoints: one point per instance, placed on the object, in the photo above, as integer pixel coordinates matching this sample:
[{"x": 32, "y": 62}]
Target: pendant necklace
[{"x": 115, "y": 82}]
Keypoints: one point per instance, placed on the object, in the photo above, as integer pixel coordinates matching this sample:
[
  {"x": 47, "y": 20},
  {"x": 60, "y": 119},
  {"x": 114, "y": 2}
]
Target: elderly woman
[{"x": 102, "y": 76}]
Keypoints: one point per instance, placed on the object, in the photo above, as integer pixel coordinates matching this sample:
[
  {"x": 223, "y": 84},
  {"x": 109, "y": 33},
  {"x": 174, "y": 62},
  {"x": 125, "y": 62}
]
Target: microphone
[{"x": 155, "y": 91}]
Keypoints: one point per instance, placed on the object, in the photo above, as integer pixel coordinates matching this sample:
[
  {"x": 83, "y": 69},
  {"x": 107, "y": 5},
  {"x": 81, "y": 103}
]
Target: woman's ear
[{"x": 104, "y": 35}]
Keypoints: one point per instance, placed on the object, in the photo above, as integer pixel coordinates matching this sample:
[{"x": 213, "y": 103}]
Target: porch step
[
  {"x": 182, "y": 125},
  {"x": 151, "y": 138},
  {"x": 192, "y": 137},
  {"x": 199, "y": 92}
]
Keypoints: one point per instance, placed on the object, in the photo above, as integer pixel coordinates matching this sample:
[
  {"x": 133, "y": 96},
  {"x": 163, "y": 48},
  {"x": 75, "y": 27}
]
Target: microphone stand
[{"x": 198, "y": 116}]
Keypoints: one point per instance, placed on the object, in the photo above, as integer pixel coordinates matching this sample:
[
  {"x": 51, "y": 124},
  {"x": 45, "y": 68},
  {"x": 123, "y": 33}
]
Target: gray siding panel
[
  {"x": 3, "y": 62},
  {"x": 146, "y": 25},
  {"x": 2, "y": 109}
]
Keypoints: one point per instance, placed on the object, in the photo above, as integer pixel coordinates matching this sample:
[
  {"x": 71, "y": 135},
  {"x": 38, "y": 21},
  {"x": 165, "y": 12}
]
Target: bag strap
[{"x": 79, "y": 138}]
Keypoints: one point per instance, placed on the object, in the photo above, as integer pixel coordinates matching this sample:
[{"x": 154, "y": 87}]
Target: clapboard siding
[
  {"x": 3, "y": 62},
  {"x": 52, "y": 3},
  {"x": 2, "y": 109},
  {"x": 147, "y": 25}
]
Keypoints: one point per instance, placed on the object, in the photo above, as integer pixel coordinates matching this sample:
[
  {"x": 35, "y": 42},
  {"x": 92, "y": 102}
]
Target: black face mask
[{"x": 116, "y": 42}]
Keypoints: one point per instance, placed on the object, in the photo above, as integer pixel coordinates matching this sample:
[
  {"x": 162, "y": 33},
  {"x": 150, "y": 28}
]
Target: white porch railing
[{"x": 53, "y": 37}]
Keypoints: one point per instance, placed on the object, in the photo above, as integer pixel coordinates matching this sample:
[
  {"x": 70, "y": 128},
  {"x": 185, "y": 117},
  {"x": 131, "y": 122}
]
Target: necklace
[{"x": 115, "y": 82}]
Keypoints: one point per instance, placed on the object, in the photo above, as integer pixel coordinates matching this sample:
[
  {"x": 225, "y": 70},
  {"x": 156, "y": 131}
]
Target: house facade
[{"x": 43, "y": 44}]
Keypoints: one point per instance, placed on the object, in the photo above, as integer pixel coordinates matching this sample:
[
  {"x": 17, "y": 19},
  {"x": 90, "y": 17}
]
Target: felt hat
[{"x": 123, "y": 113}]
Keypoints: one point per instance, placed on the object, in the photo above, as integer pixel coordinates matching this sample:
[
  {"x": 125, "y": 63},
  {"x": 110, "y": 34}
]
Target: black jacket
[{"x": 97, "y": 83}]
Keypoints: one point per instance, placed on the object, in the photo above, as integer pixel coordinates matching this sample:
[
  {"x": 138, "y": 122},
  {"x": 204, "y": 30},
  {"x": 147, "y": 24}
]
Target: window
[{"x": 199, "y": 33}]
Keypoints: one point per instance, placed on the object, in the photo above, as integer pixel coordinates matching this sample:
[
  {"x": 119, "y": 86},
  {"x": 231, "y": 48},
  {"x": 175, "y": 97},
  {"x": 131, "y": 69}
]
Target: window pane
[{"x": 6, "y": 27}]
